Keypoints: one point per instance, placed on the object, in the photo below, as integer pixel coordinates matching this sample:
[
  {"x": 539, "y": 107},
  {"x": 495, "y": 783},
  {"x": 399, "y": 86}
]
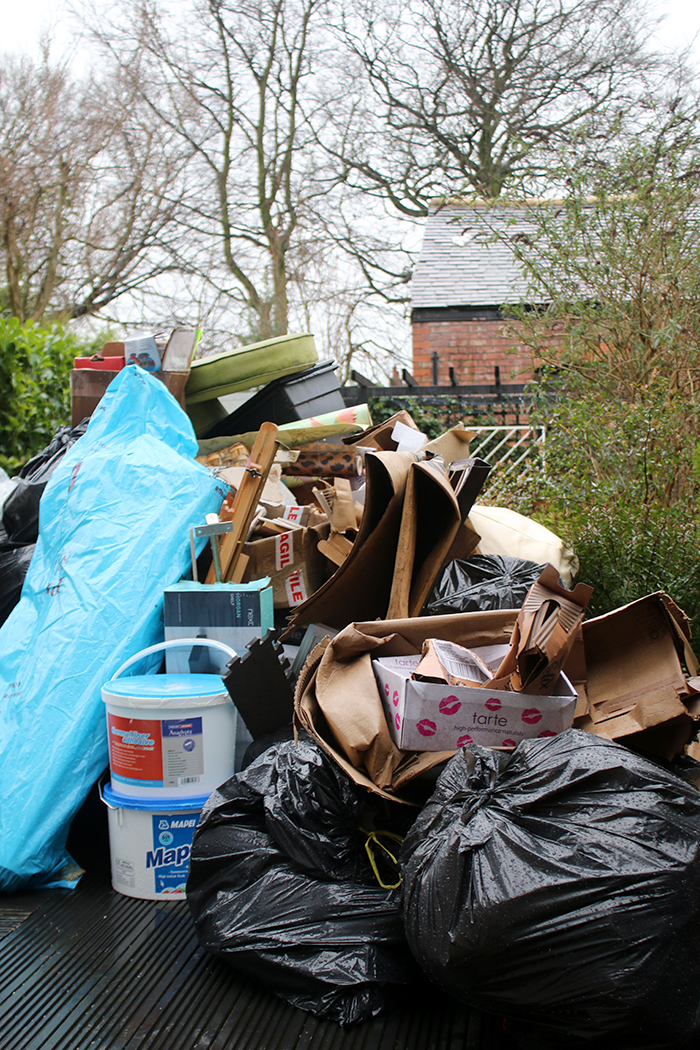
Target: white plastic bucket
[
  {"x": 150, "y": 842},
  {"x": 170, "y": 735}
]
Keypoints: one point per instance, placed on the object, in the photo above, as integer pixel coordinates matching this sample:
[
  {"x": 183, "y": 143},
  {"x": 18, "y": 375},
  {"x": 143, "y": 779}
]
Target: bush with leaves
[
  {"x": 35, "y": 364},
  {"x": 616, "y": 264}
]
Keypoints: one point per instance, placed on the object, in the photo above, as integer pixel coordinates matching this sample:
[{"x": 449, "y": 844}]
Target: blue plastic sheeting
[{"x": 113, "y": 532}]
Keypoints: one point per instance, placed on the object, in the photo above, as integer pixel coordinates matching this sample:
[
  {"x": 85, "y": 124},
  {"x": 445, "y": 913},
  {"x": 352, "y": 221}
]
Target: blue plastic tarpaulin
[{"x": 113, "y": 533}]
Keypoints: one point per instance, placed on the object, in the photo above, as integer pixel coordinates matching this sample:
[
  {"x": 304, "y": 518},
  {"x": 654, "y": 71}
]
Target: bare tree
[
  {"x": 454, "y": 96},
  {"x": 88, "y": 192},
  {"x": 236, "y": 91}
]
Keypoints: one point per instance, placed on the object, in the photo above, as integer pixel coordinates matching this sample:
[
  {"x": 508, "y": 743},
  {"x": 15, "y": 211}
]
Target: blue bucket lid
[
  {"x": 166, "y": 690},
  {"x": 155, "y": 805}
]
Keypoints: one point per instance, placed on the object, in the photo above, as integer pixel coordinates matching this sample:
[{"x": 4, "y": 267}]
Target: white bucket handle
[
  {"x": 171, "y": 643},
  {"x": 100, "y": 790}
]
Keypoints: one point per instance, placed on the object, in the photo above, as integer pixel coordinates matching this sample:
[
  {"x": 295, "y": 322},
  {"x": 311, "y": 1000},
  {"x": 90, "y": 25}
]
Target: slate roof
[{"x": 465, "y": 259}]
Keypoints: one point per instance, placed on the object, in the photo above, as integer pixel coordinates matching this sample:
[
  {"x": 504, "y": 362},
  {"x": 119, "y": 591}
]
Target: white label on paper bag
[
  {"x": 292, "y": 513},
  {"x": 296, "y": 591},
  {"x": 284, "y": 551}
]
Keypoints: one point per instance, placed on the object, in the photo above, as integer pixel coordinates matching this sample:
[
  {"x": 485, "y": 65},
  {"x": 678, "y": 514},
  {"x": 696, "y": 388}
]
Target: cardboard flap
[
  {"x": 651, "y": 711},
  {"x": 634, "y": 654},
  {"x": 360, "y": 588},
  {"x": 680, "y": 624},
  {"x": 379, "y": 436},
  {"x": 343, "y": 515},
  {"x": 336, "y": 548},
  {"x": 452, "y": 445},
  {"x": 429, "y": 523}
]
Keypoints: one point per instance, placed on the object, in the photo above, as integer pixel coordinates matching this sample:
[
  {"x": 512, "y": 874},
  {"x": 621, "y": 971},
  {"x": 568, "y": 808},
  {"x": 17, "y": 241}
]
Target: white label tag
[
  {"x": 292, "y": 513},
  {"x": 284, "y": 551},
  {"x": 296, "y": 591}
]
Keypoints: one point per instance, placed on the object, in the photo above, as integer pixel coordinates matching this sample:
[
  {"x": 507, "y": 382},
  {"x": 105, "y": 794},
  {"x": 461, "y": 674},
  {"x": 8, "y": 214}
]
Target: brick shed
[{"x": 465, "y": 273}]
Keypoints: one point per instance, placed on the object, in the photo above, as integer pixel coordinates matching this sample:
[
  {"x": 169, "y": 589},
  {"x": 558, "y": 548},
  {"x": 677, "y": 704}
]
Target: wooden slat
[{"x": 246, "y": 500}]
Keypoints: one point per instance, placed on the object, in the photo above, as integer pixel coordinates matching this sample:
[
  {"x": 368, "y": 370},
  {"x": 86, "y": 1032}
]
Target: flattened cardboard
[
  {"x": 430, "y": 521},
  {"x": 360, "y": 588},
  {"x": 634, "y": 662}
]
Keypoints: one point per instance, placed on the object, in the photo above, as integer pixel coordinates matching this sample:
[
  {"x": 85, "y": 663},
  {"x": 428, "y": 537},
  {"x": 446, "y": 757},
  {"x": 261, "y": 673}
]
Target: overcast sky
[{"x": 24, "y": 20}]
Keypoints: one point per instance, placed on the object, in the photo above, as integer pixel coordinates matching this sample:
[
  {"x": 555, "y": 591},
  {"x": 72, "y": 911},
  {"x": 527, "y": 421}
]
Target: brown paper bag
[{"x": 338, "y": 702}]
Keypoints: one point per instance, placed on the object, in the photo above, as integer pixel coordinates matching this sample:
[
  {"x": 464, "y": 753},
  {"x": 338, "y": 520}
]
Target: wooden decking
[{"x": 91, "y": 969}]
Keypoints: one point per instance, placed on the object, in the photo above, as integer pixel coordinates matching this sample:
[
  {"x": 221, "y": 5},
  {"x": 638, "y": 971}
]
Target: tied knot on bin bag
[{"x": 482, "y": 793}]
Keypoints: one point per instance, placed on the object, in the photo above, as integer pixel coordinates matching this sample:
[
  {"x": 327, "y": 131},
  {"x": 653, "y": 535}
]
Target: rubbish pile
[{"x": 386, "y": 745}]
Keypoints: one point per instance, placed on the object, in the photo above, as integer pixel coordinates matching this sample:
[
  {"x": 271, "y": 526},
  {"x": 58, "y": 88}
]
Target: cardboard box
[
  {"x": 292, "y": 561},
  {"x": 88, "y": 385},
  {"x": 640, "y": 672},
  {"x": 430, "y": 716},
  {"x": 232, "y": 613}
]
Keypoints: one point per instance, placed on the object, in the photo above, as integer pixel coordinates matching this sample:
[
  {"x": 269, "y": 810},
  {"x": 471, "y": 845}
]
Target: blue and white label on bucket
[
  {"x": 170, "y": 856},
  {"x": 183, "y": 754}
]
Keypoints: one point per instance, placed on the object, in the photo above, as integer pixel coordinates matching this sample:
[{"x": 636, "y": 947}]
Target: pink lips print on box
[
  {"x": 426, "y": 728},
  {"x": 531, "y": 715},
  {"x": 450, "y": 705},
  {"x": 493, "y": 704}
]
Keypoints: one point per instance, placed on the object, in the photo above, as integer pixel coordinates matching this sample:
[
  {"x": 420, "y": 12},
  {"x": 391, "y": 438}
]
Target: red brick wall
[{"x": 473, "y": 348}]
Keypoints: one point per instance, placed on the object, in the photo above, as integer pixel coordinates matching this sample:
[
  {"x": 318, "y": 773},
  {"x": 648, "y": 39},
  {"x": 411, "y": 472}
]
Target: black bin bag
[
  {"x": 560, "y": 887},
  {"x": 281, "y": 886},
  {"x": 484, "y": 581}
]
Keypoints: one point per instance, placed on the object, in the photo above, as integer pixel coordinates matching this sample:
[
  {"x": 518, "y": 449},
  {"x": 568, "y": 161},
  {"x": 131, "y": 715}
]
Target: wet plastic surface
[
  {"x": 281, "y": 887},
  {"x": 484, "y": 581},
  {"x": 561, "y": 887}
]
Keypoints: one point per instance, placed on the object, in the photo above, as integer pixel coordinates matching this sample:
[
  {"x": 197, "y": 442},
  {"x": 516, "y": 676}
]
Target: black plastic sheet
[
  {"x": 281, "y": 887},
  {"x": 20, "y": 512},
  {"x": 19, "y": 515},
  {"x": 14, "y": 562},
  {"x": 484, "y": 581},
  {"x": 560, "y": 887}
]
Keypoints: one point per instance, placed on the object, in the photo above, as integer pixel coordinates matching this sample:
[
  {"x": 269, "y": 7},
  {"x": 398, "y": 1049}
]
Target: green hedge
[{"x": 35, "y": 364}]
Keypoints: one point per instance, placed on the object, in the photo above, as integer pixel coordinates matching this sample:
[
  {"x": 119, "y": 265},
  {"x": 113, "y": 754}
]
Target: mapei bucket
[
  {"x": 170, "y": 735},
  {"x": 150, "y": 841}
]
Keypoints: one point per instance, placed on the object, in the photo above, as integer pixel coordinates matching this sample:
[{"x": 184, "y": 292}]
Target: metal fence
[{"x": 510, "y": 448}]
